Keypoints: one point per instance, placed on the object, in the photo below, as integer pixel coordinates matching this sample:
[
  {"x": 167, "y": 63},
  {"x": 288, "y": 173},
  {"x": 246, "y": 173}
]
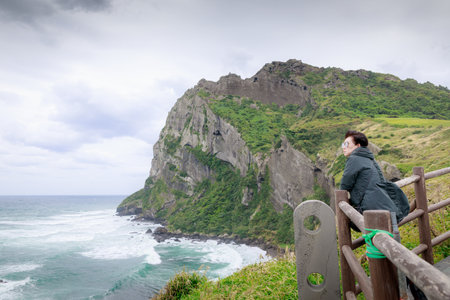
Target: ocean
[{"x": 76, "y": 247}]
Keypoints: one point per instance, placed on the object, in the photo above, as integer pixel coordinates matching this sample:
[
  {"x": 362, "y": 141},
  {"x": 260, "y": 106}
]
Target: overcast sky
[{"x": 86, "y": 85}]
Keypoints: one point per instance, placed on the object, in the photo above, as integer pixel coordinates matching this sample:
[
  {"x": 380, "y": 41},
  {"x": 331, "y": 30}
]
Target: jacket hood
[{"x": 363, "y": 152}]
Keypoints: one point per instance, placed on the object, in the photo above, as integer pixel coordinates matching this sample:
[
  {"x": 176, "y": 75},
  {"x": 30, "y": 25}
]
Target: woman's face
[{"x": 348, "y": 146}]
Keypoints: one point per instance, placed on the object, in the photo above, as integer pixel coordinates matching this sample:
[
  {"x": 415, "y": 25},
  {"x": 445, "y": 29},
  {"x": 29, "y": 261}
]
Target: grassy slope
[
  {"x": 275, "y": 279},
  {"x": 423, "y": 142},
  {"x": 344, "y": 100}
]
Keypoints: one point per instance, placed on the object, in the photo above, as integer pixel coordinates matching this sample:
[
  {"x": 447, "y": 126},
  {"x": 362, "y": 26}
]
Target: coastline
[{"x": 162, "y": 233}]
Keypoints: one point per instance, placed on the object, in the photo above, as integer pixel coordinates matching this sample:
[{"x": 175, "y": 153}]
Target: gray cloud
[
  {"x": 94, "y": 114},
  {"x": 61, "y": 145},
  {"x": 85, "y": 5},
  {"x": 32, "y": 11},
  {"x": 25, "y": 11},
  {"x": 82, "y": 110}
]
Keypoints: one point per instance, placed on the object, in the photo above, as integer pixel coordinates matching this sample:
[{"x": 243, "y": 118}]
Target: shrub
[
  {"x": 180, "y": 285},
  {"x": 338, "y": 165},
  {"x": 275, "y": 279},
  {"x": 171, "y": 143}
]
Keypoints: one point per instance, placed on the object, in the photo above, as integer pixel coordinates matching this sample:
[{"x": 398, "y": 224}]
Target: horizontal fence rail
[
  {"x": 434, "y": 283},
  {"x": 407, "y": 181},
  {"x": 414, "y": 178},
  {"x": 437, "y": 173},
  {"x": 352, "y": 214},
  {"x": 413, "y": 215},
  {"x": 439, "y": 205}
]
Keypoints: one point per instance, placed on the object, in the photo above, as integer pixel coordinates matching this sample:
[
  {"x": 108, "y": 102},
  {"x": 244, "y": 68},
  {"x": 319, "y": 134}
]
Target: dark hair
[{"x": 358, "y": 137}]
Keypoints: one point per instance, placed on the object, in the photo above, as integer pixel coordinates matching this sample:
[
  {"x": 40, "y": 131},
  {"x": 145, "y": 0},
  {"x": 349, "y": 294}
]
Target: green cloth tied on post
[{"x": 373, "y": 251}]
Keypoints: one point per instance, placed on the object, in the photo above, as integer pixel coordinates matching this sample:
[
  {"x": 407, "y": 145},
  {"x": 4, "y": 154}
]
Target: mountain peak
[{"x": 275, "y": 83}]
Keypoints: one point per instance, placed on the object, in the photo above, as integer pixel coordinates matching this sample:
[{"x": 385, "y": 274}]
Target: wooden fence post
[
  {"x": 344, "y": 237},
  {"x": 423, "y": 221},
  {"x": 383, "y": 273}
]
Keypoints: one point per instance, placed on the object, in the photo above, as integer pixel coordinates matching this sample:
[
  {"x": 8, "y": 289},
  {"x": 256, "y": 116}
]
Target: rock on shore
[{"x": 161, "y": 234}]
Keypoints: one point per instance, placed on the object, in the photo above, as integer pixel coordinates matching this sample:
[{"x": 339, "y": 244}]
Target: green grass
[
  {"x": 313, "y": 135},
  {"x": 135, "y": 198},
  {"x": 408, "y": 146},
  {"x": 171, "y": 144},
  {"x": 414, "y": 122},
  {"x": 276, "y": 279},
  {"x": 181, "y": 285},
  {"x": 374, "y": 94},
  {"x": 260, "y": 125}
]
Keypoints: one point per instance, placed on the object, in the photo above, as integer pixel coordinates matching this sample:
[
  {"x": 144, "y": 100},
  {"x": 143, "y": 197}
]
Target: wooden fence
[{"x": 383, "y": 281}]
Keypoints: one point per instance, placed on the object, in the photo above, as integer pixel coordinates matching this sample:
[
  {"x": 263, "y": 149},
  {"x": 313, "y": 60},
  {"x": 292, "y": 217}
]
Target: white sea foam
[
  {"x": 123, "y": 240},
  {"x": 124, "y": 251},
  {"x": 12, "y": 234},
  {"x": 64, "y": 237},
  {"x": 251, "y": 255},
  {"x": 62, "y": 219},
  {"x": 233, "y": 256},
  {"x": 63, "y": 228},
  {"x": 12, "y": 289},
  {"x": 224, "y": 254},
  {"x": 79, "y": 227},
  {"x": 9, "y": 269}
]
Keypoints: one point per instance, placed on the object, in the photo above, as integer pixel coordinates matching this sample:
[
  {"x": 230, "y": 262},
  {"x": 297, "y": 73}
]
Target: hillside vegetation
[
  {"x": 390, "y": 111},
  {"x": 366, "y": 93},
  {"x": 277, "y": 279},
  {"x": 409, "y": 121}
]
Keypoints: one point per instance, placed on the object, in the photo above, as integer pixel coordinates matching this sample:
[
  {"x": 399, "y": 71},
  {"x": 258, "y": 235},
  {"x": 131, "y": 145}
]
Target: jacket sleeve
[{"x": 350, "y": 174}]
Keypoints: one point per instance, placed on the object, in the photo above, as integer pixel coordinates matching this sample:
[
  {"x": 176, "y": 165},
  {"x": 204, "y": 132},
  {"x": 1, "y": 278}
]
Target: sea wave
[
  {"x": 61, "y": 219},
  {"x": 10, "y": 289},
  {"x": 230, "y": 256},
  {"x": 139, "y": 246},
  {"x": 223, "y": 254},
  {"x": 76, "y": 227},
  {"x": 18, "y": 268}
]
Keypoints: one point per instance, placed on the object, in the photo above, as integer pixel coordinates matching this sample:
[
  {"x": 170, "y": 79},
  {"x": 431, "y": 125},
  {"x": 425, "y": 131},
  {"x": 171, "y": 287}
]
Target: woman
[
  {"x": 363, "y": 177},
  {"x": 367, "y": 186}
]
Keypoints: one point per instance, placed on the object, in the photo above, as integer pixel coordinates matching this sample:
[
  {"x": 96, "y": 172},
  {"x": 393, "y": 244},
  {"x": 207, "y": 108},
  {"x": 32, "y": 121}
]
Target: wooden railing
[{"x": 383, "y": 282}]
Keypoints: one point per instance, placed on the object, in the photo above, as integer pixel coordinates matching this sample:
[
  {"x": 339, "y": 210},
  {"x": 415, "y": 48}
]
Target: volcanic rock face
[
  {"x": 191, "y": 124},
  {"x": 292, "y": 175},
  {"x": 267, "y": 85}
]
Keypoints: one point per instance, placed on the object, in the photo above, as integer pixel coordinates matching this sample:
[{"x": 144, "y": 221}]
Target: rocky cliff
[
  {"x": 192, "y": 124},
  {"x": 192, "y": 127},
  {"x": 235, "y": 156}
]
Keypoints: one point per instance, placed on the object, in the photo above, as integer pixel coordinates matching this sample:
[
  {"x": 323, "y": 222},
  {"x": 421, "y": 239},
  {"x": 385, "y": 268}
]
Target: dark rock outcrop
[
  {"x": 163, "y": 234},
  {"x": 271, "y": 84}
]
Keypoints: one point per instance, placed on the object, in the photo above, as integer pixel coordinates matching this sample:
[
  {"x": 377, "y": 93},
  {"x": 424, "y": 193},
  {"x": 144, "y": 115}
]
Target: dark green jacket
[{"x": 364, "y": 180}]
